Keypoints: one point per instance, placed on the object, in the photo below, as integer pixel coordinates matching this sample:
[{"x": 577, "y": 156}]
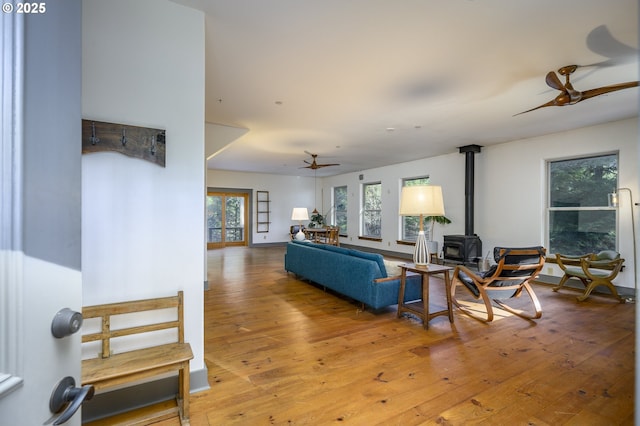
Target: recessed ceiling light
[{"x": 390, "y": 129}]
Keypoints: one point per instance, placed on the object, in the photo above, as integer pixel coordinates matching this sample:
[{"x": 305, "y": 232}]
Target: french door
[{"x": 227, "y": 219}]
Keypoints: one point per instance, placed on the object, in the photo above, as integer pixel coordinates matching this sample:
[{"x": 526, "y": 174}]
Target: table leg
[
  {"x": 447, "y": 287},
  {"x": 403, "y": 280},
  {"x": 425, "y": 300}
]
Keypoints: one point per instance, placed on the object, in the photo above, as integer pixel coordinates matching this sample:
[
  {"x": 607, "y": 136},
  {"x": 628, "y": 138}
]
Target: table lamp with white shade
[
  {"x": 421, "y": 200},
  {"x": 300, "y": 214}
]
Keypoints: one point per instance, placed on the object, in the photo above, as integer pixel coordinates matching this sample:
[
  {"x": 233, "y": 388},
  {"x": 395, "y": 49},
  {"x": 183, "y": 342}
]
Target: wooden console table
[{"x": 421, "y": 308}]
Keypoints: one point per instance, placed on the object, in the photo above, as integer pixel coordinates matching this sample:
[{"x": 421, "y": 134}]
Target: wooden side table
[{"x": 421, "y": 308}]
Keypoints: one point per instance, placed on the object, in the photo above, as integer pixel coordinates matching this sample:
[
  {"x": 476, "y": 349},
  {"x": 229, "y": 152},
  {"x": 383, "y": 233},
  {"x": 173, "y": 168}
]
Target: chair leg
[
  {"x": 595, "y": 283},
  {"x": 184, "y": 388},
  {"x": 534, "y": 299},
  {"x": 484, "y": 297},
  {"x": 564, "y": 279}
]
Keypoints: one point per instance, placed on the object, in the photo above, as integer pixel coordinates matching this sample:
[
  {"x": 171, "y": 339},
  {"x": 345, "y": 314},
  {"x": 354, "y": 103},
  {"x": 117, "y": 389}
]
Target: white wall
[
  {"x": 510, "y": 189},
  {"x": 439, "y": 171},
  {"x": 142, "y": 224},
  {"x": 511, "y": 186},
  {"x": 285, "y": 193}
]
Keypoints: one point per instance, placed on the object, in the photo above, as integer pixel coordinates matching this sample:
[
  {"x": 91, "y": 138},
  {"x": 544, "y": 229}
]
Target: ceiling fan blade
[
  {"x": 606, "y": 89},
  {"x": 553, "y": 81},
  {"x": 550, "y": 103},
  {"x": 326, "y": 165},
  {"x": 306, "y": 162}
]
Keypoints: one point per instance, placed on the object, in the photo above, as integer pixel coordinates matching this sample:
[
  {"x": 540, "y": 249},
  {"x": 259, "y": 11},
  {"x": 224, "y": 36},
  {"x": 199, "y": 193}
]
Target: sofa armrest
[{"x": 395, "y": 277}]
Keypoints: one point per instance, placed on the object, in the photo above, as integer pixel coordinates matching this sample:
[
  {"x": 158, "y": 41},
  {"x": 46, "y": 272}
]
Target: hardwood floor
[{"x": 281, "y": 351}]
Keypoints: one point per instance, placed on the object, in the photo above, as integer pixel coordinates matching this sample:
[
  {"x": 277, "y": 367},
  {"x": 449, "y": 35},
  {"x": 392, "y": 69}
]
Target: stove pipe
[{"x": 469, "y": 171}]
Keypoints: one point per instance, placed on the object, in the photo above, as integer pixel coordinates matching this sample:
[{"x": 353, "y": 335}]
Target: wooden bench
[
  {"x": 111, "y": 369},
  {"x": 593, "y": 270}
]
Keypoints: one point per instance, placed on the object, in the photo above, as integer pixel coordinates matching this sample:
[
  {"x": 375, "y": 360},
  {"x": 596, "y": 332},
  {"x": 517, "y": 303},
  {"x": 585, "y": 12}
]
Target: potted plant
[
  {"x": 317, "y": 220},
  {"x": 432, "y": 245}
]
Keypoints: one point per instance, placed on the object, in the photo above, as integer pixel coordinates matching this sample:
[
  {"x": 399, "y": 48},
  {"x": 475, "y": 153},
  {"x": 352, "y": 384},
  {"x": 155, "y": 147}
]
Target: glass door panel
[
  {"x": 226, "y": 219},
  {"x": 214, "y": 219},
  {"x": 234, "y": 229}
]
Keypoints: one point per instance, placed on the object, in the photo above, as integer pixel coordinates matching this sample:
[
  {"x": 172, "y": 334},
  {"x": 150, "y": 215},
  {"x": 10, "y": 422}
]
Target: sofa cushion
[
  {"x": 607, "y": 255},
  {"x": 376, "y": 257},
  {"x": 335, "y": 249},
  {"x": 577, "y": 271},
  {"x": 393, "y": 267},
  {"x": 303, "y": 242}
]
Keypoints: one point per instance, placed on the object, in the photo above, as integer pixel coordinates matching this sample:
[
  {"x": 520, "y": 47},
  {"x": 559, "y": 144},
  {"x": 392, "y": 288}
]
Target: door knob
[
  {"x": 66, "y": 396},
  {"x": 65, "y": 323}
]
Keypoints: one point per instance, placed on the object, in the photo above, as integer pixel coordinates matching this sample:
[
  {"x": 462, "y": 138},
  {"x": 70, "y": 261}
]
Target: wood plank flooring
[{"x": 281, "y": 351}]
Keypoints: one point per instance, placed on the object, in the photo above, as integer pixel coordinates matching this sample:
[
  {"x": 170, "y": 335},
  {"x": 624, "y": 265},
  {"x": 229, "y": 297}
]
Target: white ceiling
[{"x": 442, "y": 73}]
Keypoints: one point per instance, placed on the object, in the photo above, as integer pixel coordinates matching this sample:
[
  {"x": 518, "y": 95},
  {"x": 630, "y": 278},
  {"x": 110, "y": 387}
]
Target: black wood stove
[{"x": 465, "y": 248}]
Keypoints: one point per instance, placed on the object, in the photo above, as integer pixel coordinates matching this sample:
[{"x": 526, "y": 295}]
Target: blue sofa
[{"x": 359, "y": 275}]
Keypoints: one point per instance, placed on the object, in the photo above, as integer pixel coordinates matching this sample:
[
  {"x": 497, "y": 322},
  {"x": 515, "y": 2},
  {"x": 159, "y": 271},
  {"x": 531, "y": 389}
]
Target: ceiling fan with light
[
  {"x": 570, "y": 96},
  {"x": 314, "y": 165}
]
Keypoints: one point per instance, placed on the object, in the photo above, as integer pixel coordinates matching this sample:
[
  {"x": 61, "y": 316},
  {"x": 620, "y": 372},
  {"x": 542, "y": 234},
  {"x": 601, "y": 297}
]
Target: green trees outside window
[
  {"x": 372, "y": 210},
  {"x": 580, "y": 219},
  {"x": 340, "y": 213}
]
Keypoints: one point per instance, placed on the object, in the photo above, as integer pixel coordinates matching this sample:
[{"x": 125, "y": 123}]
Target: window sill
[
  {"x": 406, "y": 243},
  {"x": 370, "y": 238}
]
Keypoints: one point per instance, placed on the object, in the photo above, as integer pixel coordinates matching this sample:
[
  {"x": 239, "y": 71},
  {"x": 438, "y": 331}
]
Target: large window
[
  {"x": 580, "y": 219},
  {"x": 340, "y": 210},
  {"x": 372, "y": 210},
  {"x": 411, "y": 224}
]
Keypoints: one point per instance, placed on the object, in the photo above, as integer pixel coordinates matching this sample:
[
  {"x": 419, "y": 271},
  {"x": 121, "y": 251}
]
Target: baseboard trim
[
  {"x": 133, "y": 397},
  {"x": 267, "y": 245}
]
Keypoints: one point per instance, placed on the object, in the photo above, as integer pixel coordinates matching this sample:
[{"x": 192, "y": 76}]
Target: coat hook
[
  {"x": 94, "y": 140},
  {"x": 123, "y": 139}
]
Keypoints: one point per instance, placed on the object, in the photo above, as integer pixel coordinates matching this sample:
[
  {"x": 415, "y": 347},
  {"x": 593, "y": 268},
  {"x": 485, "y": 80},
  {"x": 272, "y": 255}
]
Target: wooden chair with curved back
[
  {"x": 333, "y": 237},
  {"x": 506, "y": 279}
]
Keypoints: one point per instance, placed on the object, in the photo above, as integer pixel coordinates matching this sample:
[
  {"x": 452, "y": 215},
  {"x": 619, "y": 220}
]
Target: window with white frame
[
  {"x": 579, "y": 217},
  {"x": 372, "y": 210},
  {"x": 340, "y": 208},
  {"x": 410, "y": 225}
]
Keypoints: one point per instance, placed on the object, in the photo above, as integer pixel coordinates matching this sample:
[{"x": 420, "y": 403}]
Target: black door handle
[{"x": 66, "y": 396}]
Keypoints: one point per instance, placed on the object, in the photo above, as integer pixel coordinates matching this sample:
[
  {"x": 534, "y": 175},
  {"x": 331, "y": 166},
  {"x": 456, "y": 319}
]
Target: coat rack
[{"x": 139, "y": 142}]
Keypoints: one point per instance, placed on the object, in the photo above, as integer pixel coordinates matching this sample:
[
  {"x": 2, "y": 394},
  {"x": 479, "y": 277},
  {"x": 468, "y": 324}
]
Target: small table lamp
[
  {"x": 421, "y": 200},
  {"x": 300, "y": 214}
]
